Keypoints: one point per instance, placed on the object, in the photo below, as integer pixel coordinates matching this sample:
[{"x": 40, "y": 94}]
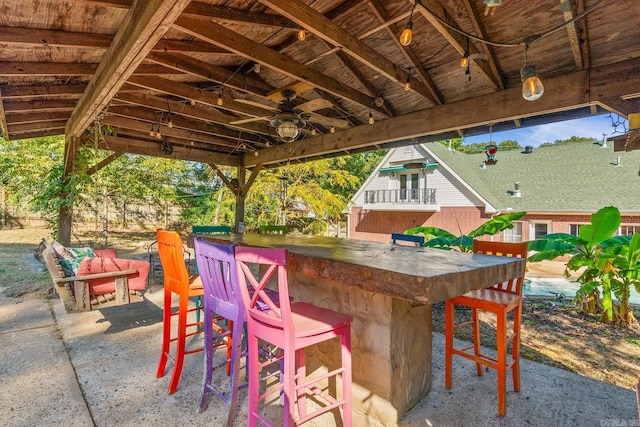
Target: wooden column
[
  {"x": 240, "y": 197},
  {"x": 65, "y": 214}
]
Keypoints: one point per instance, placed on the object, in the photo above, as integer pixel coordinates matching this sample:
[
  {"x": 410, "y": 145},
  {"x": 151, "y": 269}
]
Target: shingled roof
[{"x": 577, "y": 177}]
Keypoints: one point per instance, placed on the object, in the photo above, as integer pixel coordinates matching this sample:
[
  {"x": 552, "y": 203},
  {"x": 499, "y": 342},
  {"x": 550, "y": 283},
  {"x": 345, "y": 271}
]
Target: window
[
  {"x": 514, "y": 234},
  {"x": 629, "y": 230},
  {"x": 409, "y": 186},
  {"x": 574, "y": 229},
  {"x": 403, "y": 187},
  {"x": 539, "y": 229}
]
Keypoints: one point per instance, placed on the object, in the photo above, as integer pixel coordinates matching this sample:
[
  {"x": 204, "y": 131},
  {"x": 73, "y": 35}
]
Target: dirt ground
[{"x": 553, "y": 332}]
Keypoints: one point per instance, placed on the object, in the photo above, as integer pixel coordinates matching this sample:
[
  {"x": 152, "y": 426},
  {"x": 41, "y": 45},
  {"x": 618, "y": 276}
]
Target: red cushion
[
  {"x": 137, "y": 281},
  {"x": 106, "y": 253}
]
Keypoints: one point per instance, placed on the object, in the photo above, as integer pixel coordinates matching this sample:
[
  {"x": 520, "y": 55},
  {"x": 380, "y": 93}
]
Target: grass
[{"x": 19, "y": 273}]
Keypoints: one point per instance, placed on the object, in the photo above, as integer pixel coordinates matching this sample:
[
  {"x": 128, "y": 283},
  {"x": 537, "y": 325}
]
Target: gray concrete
[{"x": 98, "y": 368}]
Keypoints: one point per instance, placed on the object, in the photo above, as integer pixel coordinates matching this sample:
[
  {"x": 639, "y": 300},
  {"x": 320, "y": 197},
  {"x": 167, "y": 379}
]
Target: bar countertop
[{"x": 422, "y": 275}]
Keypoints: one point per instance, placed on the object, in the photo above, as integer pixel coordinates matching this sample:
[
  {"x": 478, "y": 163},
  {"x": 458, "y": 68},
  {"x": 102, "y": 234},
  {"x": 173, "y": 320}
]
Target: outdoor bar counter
[{"x": 389, "y": 291}]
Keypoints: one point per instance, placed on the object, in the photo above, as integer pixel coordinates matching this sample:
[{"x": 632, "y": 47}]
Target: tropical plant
[
  {"x": 603, "y": 260},
  {"x": 439, "y": 238}
]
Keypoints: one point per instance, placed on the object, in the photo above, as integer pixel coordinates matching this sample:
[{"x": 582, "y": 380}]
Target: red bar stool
[
  {"x": 176, "y": 281},
  {"x": 291, "y": 327},
  {"x": 500, "y": 299}
]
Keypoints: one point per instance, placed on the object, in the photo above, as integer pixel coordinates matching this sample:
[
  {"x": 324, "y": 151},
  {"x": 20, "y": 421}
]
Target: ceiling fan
[{"x": 289, "y": 120}]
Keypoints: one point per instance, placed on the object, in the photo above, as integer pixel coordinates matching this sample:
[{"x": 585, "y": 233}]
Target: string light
[
  {"x": 192, "y": 101},
  {"x": 407, "y": 34},
  {"x": 313, "y": 131},
  {"x": 332, "y": 129},
  {"x": 371, "y": 119},
  {"x": 532, "y": 87},
  {"x": 301, "y": 35},
  {"x": 407, "y": 83},
  {"x": 219, "y": 101},
  {"x": 464, "y": 62},
  {"x": 152, "y": 133},
  {"x": 159, "y": 134}
]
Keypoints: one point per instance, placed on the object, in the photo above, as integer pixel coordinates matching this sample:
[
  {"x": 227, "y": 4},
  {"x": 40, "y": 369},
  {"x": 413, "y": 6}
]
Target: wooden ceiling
[{"x": 131, "y": 66}]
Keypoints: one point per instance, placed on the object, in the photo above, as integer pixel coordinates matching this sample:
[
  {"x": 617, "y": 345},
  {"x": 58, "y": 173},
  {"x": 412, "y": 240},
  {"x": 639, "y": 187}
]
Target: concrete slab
[{"x": 106, "y": 377}]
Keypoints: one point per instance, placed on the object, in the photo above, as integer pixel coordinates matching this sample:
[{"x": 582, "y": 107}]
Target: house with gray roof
[{"x": 559, "y": 186}]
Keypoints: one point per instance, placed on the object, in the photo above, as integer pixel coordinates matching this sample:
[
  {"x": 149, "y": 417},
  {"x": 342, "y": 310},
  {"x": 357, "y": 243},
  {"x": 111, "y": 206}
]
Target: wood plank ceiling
[{"x": 202, "y": 80}]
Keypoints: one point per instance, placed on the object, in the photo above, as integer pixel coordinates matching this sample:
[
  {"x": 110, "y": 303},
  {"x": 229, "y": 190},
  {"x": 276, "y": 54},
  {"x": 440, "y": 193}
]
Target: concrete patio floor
[{"x": 98, "y": 368}]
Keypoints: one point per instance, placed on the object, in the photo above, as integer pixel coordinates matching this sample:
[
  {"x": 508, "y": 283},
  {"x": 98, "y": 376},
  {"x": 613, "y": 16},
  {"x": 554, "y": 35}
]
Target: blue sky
[{"x": 593, "y": 126}]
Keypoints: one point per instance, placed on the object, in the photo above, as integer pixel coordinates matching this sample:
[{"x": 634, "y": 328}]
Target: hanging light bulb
[
  {"x": 407, "y": 34},
  {"x": 464, "y": 62},
  {"x": 159, "y": 134},
  {"x": 407, "y": 83},
  {"x": 314, "y": 131},
  {"x": 332, "y": 129},
  {"x": 257, "y": 68},
  {"x": 371, "y": 119},
  {"x": 301, "y": 35},
  {"x": 192, "y": 101},
  {"x": 152, "y": 132},
  {"x": 532, "y": 87},
  {"x": 170, "y": 123},
  {"x": 219, "y": 101}
]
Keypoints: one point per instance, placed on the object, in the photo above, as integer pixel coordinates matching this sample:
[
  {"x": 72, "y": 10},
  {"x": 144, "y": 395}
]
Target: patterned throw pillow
[{"x": 70, "y": 258}]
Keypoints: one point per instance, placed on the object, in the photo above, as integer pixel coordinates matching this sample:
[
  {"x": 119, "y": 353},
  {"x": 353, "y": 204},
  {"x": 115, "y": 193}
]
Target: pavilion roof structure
[{"x": 208, "y": 75}]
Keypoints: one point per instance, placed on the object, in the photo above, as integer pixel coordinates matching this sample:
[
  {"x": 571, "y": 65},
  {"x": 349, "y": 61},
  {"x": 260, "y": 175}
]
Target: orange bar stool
[
  {"x": 291, "y": 327},
  {"x": 177, "y": 281},
  {"x": 500, "y": 299}
]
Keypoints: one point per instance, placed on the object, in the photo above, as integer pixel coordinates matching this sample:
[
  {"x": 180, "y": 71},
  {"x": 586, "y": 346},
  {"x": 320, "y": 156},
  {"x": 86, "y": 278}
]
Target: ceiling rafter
[
  {"x": 47, "y": 104},
  {"x": 239, "y": 16},
  {"x": 318, "y": 24},
  {"x": 179, "y": 121},
  {"x": 32, "y": 91},
  {"x": 407, "y": 52},
  {"x": 487, "y": 49},
  {"x": 194, "y": 111},
  {"x": 4, "y": 130},
  {"x": 576, "y": 32},
  {"x": 213, "y": 73},
  {"x": 176, "y": 142},
  {"x": 37, "y": 134},
  {"x": 433, "y": 11},
  {"x": 31, "y": 116},
  {"x": 222, "y": 36},
  {"x": 145, "y": 23}
]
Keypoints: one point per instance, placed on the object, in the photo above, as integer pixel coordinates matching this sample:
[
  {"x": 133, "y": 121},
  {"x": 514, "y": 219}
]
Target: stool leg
[
  {"x": 180, "y": 345},
  {"x": 448, "y": 334},
  {"x": 236, "y": 352},
  {"x": 476, "y": 339},
  {"x": 254, "y": 378},
  {"x": 166, "y": 334},
  {"x": 501, "y": 349},
  {"x": 208, "y": 360},
  {"x": 346, "y": 377},
  {"x": 289, "y": 387},
  {"x": 301, "y": 395},
  {"x": 515, "y": 351}
]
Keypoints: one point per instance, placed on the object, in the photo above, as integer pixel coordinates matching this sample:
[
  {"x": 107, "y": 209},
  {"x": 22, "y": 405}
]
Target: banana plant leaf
[
  {"x": 497, "y": 224},
  {"x": 604, "y": 224},
  {"x": 430, "y": 231}
]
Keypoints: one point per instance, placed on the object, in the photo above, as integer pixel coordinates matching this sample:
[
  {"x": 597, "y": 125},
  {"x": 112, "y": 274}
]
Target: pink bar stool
[{"x": 291, "y": 327}]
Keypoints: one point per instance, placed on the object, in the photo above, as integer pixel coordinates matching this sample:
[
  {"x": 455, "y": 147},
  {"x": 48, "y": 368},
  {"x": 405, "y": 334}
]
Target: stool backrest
[
  {"x": 257, "y": 267},
  {"x": 176, "y": 276},
  {"x": 272, "y": 229},
  {"x": 211, "y": 229},
  {"x": 411, "y": 238},
  {"x": 517, "y": 250},
  {"x": 219, "y": 275}
]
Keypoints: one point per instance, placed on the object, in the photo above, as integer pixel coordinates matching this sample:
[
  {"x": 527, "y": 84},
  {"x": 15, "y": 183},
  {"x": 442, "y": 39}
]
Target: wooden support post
[
  {"x": 240, "y": 198},
  {"x": 65, "y": 214}
]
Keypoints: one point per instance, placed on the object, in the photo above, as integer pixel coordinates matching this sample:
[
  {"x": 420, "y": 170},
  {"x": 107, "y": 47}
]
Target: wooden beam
[
  {"x": 40, "y": 116},
  {"x": 104, "y": 162},
  {"x": 39, "y": 104},
  {"x": 182, "y": 90},
  {"x": 36, "y": 126},
  {"x": 176, "y": 142},
  {"x": 567, "y": 13},
  {"x": 36, "y": 134},
  {"x": 221, "y": 36},
  {"x": 244, "y": 188},
  {"x": 194, "y": 111},
  {"x": 149, "y": 148},
  {"x": 123, "y": 122},
  {"x": 435, "y": 12},
  {"x": 3, "y": 120},
  {"x": 32, "y": 91},
  {"x": 240, "y": 16},
  {"x": 619, "y": 106},
  {"x": 213, "y": 73},
  {"x": 150, "y": 116},
  {"x": 407, "y": 52},
  {"x": 562, "y": 93},
  {"x": 231, "y": 185},
  {"x": 316, "y": 23},
  {"x": 486, "y": 48},
  {"x": 145, "y": 23}
]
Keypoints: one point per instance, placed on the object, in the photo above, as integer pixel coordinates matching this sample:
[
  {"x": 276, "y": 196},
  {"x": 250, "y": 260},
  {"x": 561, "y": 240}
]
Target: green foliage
[
  {"x": 443, "y": 239},
  {"x": 572, "y": 140},
  {"x": 605, "y": 262}
]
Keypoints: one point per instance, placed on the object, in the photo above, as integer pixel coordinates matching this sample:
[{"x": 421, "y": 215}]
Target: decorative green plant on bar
[
  {"x": 442, "y": 239},
  {"x": 605, "y": 261}
]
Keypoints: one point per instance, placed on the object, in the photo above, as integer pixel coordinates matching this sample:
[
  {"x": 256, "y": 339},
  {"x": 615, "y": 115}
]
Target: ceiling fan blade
[
  {"x": 249, "y": 120},
  {"x": 297, "y": 87},
  {"x": 328, "y": 121},
  {"x": 313, "y": 105},
  {"x": 256, "y": 104}
]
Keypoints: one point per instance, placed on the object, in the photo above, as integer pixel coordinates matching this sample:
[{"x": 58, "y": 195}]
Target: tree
[
  {"x": 443, "y": 239},
  {"x": 604, "y": 260}
]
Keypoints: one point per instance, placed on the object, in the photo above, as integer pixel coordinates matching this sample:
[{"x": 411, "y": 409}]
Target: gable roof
[{"x": 578, "y": 177}]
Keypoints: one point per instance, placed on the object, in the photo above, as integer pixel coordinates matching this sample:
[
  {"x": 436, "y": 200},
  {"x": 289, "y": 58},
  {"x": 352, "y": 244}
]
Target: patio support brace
[
  {"x": 240, "y": 186},
  {"x": 65, "y": 213}
]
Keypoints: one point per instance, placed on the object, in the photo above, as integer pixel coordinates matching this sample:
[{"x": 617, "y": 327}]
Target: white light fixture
[{"x": 288, "y": 126}]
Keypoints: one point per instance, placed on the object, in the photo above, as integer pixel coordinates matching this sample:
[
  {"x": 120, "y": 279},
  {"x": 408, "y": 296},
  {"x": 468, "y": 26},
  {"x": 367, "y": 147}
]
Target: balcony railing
[{"x": 422, "y": 196}]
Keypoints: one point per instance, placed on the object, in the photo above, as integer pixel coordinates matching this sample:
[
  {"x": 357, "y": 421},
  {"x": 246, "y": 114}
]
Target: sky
[{"x": 593, "y": 126}]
